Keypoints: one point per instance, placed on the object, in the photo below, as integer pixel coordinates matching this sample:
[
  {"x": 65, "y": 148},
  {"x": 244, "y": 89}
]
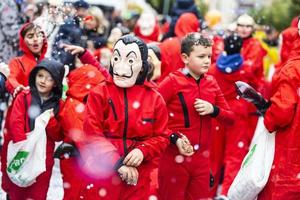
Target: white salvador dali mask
[{"x": 126, "y": 63}]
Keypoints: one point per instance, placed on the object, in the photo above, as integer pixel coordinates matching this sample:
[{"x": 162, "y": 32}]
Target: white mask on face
[
  {"x": 126, "y": 63},
  {"x": 146, "y": 23}
]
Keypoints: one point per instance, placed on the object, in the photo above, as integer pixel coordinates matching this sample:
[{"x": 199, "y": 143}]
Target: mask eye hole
[
  {"x": 130, "y": 61},
  {"x": 116, "y": 58}
]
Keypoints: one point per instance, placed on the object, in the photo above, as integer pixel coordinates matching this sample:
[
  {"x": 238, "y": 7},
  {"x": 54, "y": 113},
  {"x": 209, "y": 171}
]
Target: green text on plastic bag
[
  {"x": 17, "y": 161},
  {"x": 249, "y": 156}
]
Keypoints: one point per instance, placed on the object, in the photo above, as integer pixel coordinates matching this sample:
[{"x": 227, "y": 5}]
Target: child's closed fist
[{"x": 203, "y": 107}]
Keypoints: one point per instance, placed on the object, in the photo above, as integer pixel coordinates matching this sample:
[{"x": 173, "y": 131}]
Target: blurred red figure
[
  {"x": 80, "y": 82},
  {"x": 170, "y": 48},
  {"x": 147, "y": 28},
  {"x": 283, "y": 116}
]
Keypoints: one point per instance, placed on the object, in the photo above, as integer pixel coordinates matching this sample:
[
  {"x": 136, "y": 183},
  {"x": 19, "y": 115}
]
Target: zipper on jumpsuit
[
  {"x": 200, "y": 136},
  {"x": 126, "y": 122}
]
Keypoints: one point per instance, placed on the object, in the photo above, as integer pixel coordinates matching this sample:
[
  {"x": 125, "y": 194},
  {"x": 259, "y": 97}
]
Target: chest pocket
[
  {"x": 146, "y": 123},
  {"x": 113, "y": 108},
  {"x": 184, "y": 109}
]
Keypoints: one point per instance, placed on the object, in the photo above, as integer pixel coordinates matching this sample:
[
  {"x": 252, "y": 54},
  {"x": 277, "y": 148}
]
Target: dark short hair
[
  {"x": 28, "y": 27},
  {"x": 194, "y": 39}
]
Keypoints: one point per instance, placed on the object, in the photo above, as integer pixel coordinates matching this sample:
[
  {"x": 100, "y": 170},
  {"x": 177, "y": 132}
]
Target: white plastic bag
[
  {"x": 255, "y": 169},
  {"x": 26, "y": 159}
]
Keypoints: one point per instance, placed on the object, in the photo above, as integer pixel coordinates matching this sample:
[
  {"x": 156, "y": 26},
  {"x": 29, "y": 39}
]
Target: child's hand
[
  {"x": 18, "y": 89},
  {"x": 129, "y": 174},
  {"x": 134, "y": 158},
  {"x": 203, "y": 107},
  {"x": 73, "y": 49},
  {"x": 184, "y": 146}
]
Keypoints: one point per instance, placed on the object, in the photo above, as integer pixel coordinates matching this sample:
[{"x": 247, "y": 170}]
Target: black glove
[
  {"x": 251, "y": 95},
  {"x": 66, "y": 150}
]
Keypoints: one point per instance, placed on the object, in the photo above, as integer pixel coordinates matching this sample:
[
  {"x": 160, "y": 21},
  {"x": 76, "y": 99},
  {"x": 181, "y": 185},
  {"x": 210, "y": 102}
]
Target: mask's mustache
[{"x": 124, "y": 75}]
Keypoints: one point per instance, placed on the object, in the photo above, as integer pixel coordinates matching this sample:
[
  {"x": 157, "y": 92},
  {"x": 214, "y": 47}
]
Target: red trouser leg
[
  {"x": 73, "y": 179},
  {"x": 217, "y": 153},
  {"x": 183, "y": 178}
]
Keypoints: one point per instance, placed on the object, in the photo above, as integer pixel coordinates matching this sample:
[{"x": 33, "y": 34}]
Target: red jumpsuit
[
  {"x": 80, "y": 81},
  {"x": 119, "y": 120},
  {"x": 189, "y": 177},
  {"x": 18, "y": 127},
  {"x": 283, "y": 116},
  {"x": 231, "y": 138}
]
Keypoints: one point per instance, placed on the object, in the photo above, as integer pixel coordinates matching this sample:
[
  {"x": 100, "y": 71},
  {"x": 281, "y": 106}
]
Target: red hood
[
  {"x": 153, "y": 37},
  {"x": 25, "y": 49},
  {"x": 294, "y": 22},
  {"x": 187, "y": 23},
  {"x": 289, "y": 35},
  {"x": 82, "y": 79},
  {"x": 295, "y": 51}
]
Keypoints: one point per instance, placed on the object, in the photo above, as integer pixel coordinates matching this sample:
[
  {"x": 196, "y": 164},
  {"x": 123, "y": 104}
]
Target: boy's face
[
  {"x": 44, "y": 82},
  {"x": 34, "y": 40},
  {"x": 199, "y": 59}
]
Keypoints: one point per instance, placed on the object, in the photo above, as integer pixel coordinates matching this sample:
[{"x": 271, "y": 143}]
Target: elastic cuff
[
  {"x": 215, "y": 112},
  {"x": 81, "y": 54},
  {"x": 173, "y": 138},
  {"x": 118, "y": 164},
  {"x": 143, "y": 149}
]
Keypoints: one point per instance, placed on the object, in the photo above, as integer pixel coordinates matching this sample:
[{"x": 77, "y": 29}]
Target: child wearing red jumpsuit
[{"x": 193, "y": 98}]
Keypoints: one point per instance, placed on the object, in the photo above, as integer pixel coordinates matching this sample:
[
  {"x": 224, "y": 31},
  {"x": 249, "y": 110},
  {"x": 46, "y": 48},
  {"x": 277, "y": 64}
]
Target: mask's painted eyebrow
[
  {"x": 131, "y": 53},
  {"x": 118, "y": 52}
]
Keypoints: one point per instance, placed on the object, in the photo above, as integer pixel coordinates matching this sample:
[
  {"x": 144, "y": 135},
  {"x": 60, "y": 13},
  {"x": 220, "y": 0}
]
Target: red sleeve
[
  {"x": 88, "y": 58},
  {"x": 282, "y": 109},
  {"x": 12, "y": 81},
  {"x": 154, "y": 146},
  {"x": 225, "y": 114},
  {"x": 93, "y": 130},
  {"x": 17, "y": 120},
  {"x": 167, "y": 89}
]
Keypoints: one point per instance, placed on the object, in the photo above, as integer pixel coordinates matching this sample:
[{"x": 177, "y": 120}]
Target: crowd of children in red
[{"x": 153, "y": 120}]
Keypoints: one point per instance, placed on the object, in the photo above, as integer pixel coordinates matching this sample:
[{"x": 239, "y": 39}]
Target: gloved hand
[
  {"x": 65, "y": 150},
  {"x": 251, "y": 95}
]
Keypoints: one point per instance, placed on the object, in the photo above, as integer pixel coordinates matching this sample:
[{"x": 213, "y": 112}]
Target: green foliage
[
  {"x": 202, "y": 6},
  {"x": 279, "y": 14}
]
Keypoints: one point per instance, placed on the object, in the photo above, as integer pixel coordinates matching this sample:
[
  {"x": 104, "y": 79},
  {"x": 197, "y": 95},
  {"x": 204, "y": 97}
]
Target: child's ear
[{"x": 184, "y": 58}]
